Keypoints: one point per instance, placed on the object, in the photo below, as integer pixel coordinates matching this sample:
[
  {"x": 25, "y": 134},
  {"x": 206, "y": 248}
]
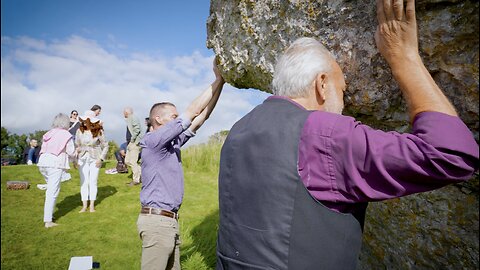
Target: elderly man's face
[{"x": 335, "y": 88}]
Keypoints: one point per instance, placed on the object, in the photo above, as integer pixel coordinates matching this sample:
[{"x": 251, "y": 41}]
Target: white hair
[
  {"x": 298, "y": 66},
  {"x": 61, "y": 121},
  {"x": 128, "y": 110}
]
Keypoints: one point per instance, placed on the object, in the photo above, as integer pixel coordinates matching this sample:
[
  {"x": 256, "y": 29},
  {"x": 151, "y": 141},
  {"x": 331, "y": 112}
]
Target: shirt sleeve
[
  {"x": 70, "y": 148},
  {"x": 104, "y": 146},
  {"x": 185, "y": 136},
  {"x": 135, "y": 124},
  {"x": 354, "y": 163},
  {"x": 167, "y": 133}
]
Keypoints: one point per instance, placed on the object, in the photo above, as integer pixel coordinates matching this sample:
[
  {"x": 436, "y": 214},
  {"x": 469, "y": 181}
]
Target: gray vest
[{"x": 268, "y": 219}]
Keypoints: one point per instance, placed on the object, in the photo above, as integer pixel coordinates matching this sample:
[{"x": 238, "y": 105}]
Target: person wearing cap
[
  {"x": 57, "y": 147},
  {"x": 92, "y": 148},
  {"x": 162, "y": 176}
]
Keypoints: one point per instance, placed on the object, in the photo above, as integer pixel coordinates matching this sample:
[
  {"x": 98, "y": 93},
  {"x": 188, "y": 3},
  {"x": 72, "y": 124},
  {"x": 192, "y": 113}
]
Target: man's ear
[
  {"x": 158, "y": 120},
  {"x": 321, "y": 86}
]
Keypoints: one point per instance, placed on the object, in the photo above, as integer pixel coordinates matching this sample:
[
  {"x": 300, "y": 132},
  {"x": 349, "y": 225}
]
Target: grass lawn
[{"x": 109, "y": 234}]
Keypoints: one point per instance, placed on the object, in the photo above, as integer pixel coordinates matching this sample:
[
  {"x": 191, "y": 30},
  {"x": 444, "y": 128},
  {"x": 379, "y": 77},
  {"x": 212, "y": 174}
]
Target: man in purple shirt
[
  {"x": 162, "y": 175},
  {"x": 296, "y": 175}
]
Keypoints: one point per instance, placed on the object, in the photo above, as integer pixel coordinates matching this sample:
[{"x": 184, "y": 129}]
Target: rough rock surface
[
  {"x": 248, "y": 36},
  {"x": 435, "y": 230}
]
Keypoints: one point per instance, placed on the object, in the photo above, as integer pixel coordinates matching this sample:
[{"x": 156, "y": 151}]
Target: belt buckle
[{"x": 174, "y": 215}]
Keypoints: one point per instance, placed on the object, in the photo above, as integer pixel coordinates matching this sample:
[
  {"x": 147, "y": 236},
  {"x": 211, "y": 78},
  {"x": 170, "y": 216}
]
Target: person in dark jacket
[
  {"x": 120, "y": 157},
  {"x": 296, "y": 175},
  {"x": 74, "y": 123},
  {"x": 31, "y": 153}
]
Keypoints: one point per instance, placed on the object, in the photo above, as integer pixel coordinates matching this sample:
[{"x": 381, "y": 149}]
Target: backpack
[{"x": 121, "y": 167}]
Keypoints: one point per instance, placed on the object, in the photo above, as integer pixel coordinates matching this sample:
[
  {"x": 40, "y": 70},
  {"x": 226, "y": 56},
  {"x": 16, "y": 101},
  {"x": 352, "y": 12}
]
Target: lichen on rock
[{"x": 248, "y": 36}]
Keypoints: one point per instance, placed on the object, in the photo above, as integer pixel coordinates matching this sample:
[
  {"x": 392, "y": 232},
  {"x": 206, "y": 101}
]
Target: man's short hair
[
  {"x": 298, "y": 67},
  {"x": 157, "y": 109}
]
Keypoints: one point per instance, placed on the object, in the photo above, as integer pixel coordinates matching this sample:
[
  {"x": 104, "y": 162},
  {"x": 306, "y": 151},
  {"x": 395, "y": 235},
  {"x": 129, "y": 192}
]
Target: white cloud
[{"x": 40, "y": 79}]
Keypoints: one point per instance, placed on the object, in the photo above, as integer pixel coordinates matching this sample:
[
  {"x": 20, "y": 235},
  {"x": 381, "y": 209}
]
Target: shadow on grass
[
  {"x": 204, "y": 240},
  {"x": 73, "y": 201}
]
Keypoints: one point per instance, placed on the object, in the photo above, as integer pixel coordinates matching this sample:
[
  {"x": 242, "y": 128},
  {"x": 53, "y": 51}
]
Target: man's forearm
[
  {"x": 199, "y": 104},
  {"x": 205, "y": 114},
  {"x": 396, "y": 39},
  {"x": 419, "y": 89}
]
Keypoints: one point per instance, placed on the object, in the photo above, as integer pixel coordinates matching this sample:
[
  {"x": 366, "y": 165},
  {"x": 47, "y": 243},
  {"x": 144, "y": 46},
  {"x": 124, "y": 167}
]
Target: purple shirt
[
  {"x": 344, "y": 163},
  {"x": 162, "y": 173}
]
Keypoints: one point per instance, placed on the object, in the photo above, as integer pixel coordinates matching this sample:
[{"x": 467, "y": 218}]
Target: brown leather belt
[{"x": 157, "y": 211}]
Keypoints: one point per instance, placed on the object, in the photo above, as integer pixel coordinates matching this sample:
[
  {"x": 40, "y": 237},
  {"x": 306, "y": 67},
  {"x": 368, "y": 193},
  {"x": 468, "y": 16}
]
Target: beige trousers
[
  {"x": 131, "y": 160},
  {"x": 160, "y": 242}
]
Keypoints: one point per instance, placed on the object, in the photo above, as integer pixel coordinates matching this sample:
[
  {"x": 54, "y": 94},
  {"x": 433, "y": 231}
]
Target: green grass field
[{"x": 109, "y": 234}]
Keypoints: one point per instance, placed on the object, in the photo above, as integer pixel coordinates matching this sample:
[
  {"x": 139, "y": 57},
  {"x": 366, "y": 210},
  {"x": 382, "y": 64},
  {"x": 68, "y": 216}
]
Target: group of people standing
[{"x": 80, "y": 139}]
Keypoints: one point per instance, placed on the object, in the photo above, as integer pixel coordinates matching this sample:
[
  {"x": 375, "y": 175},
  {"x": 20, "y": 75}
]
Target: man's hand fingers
[
  {"x": 398, "y": 9},
  {"x": 380, "y": 14},
  {"x": 388, "y": 10},
  {"x": 410, "y": 11}
]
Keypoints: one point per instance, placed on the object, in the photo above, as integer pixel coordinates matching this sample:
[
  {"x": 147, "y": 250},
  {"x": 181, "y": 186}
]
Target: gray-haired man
[
  {"x": 296, "y": 175},
  {"x": 134, "y": 134}
]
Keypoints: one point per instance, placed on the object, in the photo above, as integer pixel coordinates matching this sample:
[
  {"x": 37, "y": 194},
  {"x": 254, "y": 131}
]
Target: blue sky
[
  {"x": 172, "y": 27},
  {"x": 64, "y": 55}
]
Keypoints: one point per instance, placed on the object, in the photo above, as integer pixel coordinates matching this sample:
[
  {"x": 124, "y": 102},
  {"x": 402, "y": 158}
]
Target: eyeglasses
[{"x": 74, "y": 113}]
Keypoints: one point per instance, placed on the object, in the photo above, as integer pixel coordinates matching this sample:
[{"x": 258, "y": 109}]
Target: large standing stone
[
  {"x": 415, "y": 232},
  {"x": 248, "y": 36}
]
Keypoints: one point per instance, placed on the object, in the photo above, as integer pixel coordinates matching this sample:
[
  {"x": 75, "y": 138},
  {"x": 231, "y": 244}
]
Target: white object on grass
[{"x": 81, "y": 263}]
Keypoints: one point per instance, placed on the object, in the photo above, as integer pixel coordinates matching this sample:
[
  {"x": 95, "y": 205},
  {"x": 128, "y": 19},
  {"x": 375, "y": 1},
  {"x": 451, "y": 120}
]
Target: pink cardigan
[{"x": 55, "y": 140}]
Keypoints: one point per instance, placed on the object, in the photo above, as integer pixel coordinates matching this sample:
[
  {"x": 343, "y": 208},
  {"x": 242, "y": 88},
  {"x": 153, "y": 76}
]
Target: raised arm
[
  {"x": 204, "y": 100},
  {"x": 203, "y": 116},
  {"x": 396, "y": 39}
]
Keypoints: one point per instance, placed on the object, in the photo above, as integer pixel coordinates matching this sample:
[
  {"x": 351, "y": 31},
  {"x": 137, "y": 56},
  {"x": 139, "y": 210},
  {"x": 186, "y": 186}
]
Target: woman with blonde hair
[
  {"x": 57, "y": 145},
  {"x": 92, "y": 148}
]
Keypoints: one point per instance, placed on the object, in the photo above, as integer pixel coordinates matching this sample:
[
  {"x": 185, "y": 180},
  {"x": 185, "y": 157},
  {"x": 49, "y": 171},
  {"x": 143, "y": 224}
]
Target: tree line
[{"x": 13, "y": 145}]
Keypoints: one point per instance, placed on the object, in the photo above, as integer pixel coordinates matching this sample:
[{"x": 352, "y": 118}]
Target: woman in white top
[
  {"x": 92, "y": 148},
  {"x": 57, "y": 146}
]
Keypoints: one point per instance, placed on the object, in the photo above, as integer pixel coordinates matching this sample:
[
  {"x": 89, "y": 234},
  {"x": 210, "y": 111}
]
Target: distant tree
[
  {"x": 112, "y": 148},
  {"x": 13, "y": 145},
  {"x": 5, "y": 136},
  {"x": 218, "y": 137},
  {"x": 37, "y": 135}
]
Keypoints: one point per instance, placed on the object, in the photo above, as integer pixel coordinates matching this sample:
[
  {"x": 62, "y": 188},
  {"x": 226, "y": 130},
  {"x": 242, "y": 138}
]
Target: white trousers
[
  {"x": 53, "y": 177},
  {"x": 88, "y": 178}
]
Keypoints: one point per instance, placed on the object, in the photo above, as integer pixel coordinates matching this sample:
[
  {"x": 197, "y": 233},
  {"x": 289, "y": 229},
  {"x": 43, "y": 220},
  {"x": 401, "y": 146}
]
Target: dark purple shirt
[
  {"x": 162, "y": 173},
  {"x": 343, "y": 162}
]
